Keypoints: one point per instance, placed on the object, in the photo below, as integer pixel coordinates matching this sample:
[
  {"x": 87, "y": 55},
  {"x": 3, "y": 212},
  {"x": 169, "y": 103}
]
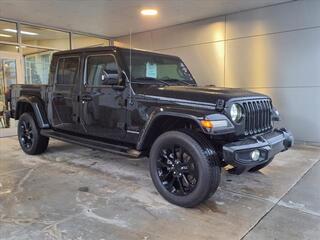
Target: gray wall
[{"x": 273, "y": 50}]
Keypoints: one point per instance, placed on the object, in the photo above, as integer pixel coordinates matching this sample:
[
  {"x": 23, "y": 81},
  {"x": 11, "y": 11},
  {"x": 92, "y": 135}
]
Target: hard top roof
[{"x": 106, "y": 48}]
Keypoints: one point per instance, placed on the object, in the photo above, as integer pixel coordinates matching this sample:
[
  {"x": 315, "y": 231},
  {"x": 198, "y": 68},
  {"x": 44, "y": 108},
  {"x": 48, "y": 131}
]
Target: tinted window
[
  {"x": 67, "y": 70},
  {"x": 96, "y": 65},
  {"x": 155, "y": 68}
]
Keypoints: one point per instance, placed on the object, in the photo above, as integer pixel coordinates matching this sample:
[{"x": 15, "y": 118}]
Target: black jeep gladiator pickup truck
[{"x": 141, "y": 103}]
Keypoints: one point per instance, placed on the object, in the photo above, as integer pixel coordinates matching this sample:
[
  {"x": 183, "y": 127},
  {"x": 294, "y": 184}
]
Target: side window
[
  {"x": 97, "y": 65},
  {"x": 67, "y": 70}
]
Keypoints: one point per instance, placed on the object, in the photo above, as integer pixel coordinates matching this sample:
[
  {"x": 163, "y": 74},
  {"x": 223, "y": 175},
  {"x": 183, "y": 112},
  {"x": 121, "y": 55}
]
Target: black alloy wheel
[
  {"x": 30, "y": 139},
  {"x": 177, "y": 170},
  {"x": 184, "y": 167},
  {"x": 26, "y": 136}
]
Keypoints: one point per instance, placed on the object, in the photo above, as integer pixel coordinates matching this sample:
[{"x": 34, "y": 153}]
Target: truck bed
[{"x": 18, "y": 90}]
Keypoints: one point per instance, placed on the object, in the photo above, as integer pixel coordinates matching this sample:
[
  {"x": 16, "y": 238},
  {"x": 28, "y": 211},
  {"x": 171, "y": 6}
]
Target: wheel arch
[
  {"x": 165, "y": 120},
  {"x": 35, "y": 105}
]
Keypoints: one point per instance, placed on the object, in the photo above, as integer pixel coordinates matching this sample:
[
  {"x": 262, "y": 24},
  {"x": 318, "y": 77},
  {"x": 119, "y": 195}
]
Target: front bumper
[{"x": 269, "y": 144}]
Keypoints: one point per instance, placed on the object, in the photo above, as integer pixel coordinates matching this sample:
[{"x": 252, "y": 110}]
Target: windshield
[{"x": 156, "y": 69}]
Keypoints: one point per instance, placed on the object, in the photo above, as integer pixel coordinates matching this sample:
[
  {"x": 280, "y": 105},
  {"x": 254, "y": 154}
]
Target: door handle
[{"x": 86, "y": 98}]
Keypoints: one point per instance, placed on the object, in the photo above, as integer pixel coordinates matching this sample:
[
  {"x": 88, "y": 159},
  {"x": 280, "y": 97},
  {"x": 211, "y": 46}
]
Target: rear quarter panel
[{"x": 19, "y": 90}]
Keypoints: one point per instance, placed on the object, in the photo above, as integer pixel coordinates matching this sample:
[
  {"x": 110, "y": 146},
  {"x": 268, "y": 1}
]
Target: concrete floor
[{"x": 40, "y": 198}]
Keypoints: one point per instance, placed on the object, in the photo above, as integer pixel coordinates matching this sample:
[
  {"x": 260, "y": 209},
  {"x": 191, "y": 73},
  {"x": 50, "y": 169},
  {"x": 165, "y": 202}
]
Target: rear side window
[
  {"x": 67, "y": 70},
  {"x": 95, "y": 67}
]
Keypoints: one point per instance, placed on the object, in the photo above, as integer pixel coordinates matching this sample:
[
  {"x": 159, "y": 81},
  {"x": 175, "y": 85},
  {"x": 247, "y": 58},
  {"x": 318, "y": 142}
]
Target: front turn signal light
[
  {"x": 214, "y": 124},
  {"x": 206, "y": 124}
]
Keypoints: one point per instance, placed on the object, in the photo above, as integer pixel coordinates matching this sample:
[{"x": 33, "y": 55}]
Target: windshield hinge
[{"x": 220, "y": 104}]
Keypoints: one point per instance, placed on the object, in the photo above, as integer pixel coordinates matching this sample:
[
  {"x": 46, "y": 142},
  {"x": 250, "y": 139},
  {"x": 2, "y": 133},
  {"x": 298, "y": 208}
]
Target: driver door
[{"x": 103, "y": 102}]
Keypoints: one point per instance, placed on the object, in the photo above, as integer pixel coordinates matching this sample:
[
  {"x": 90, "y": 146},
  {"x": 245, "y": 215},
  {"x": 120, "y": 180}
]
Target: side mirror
[
  {"x": 124, "y": 76},
  {"x": 110, "y": 78}
]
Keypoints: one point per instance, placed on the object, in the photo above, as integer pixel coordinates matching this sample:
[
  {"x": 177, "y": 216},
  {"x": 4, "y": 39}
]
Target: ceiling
[{"x": 120, "y": 17}]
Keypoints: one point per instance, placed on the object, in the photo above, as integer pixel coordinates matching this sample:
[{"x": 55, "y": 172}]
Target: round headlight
[{"x": 236, "y": 112}]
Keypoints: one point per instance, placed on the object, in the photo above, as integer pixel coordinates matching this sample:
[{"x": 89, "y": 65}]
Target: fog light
[{"x": 255, "y": 155}]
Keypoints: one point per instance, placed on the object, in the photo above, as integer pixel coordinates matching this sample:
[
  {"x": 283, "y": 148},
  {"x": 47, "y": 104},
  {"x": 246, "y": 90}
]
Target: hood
[{"x": 194, "y": 93}]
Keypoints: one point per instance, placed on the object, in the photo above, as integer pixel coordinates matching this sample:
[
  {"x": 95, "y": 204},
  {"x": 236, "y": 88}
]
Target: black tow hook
[{"x": 288, "y": 141}]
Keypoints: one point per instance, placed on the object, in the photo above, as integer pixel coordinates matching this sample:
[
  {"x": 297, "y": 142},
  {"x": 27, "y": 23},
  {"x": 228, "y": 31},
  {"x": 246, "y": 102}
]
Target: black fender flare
[
  {"x": 194, "y": 116},
  {"x": 38, "y": 108}
]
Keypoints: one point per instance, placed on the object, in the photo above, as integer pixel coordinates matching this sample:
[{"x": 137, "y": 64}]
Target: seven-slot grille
[{"x": 257, "y": 116}]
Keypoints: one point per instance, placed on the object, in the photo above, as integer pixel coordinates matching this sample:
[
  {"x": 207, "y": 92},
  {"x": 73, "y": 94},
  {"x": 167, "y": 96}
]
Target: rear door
[
  {"x": 103, "y": 106},
  {"x": 65, "y": 104}
]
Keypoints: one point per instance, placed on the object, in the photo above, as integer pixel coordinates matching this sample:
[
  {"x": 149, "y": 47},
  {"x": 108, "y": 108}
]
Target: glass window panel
[
  {"x": 60, "y": 71},
  {"x": 8, "y": 31},
  {"x": 121, "y": 44},
  {"x": 36, "y": 65},
  {"x": 2, "y": 86},
  {"x": 97, "y": 65},
  {"x": 67, "y": 70},
  {"x": 81, "y": 41},
  {"x": 30, "y": 50},
  {"x": 8, "y": 48},
  {"x": 10, "y": 71},
  {"x": 44, "y": 37},
  {"x": 150, "y": 67},
  {"x": 8, "y": 76}
]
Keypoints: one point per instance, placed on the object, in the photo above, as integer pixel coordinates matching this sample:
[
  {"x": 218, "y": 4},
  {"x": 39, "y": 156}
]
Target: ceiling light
[
  {"x": 29, "y": 33},
  {"x": 23, "y": 32},
  {"x": 149, "y": 12},
  {"x": 10, "y": 30},
  {"x": 5, "y": 35}
]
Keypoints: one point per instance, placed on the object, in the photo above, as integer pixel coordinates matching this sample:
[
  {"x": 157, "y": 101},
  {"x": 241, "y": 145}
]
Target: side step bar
[{"x": 103, "y": 146}]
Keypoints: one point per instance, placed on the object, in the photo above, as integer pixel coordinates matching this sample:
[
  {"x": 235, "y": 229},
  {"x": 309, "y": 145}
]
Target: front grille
[{"x": 257, "y": 115}]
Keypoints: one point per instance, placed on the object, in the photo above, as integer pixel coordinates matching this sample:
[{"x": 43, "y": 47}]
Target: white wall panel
[
  {"x": 205, "y": 31},
  {"x": 288, "y": 59},
  {"x": 273, "y": 50},
  {"x": 141, "y": 41},
  {"x": 299, "y": 110},
  {"x": 205, "y": 62},
  {"x": 278, "y": 18}
]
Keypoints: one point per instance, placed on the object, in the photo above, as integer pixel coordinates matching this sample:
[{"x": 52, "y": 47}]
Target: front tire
[
  {"x": 30, "y": 140},
  {"x": 184, "y": 168}
]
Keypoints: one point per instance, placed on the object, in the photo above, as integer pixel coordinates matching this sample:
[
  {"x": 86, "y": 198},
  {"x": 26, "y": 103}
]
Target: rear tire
[
  {"x": 184, "y": 168},
  {"x": 30, "y": 140}
]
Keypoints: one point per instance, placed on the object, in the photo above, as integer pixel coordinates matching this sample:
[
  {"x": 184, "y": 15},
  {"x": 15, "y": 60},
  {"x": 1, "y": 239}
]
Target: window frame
[
  {"x": 57, "y": 69},
  {"x": 85, "y": 77}
]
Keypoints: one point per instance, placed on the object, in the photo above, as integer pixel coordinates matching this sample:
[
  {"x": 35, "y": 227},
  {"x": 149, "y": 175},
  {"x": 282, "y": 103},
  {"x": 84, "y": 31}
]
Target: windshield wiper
[{"x": 150, "y": 79}]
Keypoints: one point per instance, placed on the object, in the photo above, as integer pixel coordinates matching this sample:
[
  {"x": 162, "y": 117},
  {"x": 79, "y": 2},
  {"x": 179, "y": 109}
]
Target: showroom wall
[{"x": 273, "y": 50}]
